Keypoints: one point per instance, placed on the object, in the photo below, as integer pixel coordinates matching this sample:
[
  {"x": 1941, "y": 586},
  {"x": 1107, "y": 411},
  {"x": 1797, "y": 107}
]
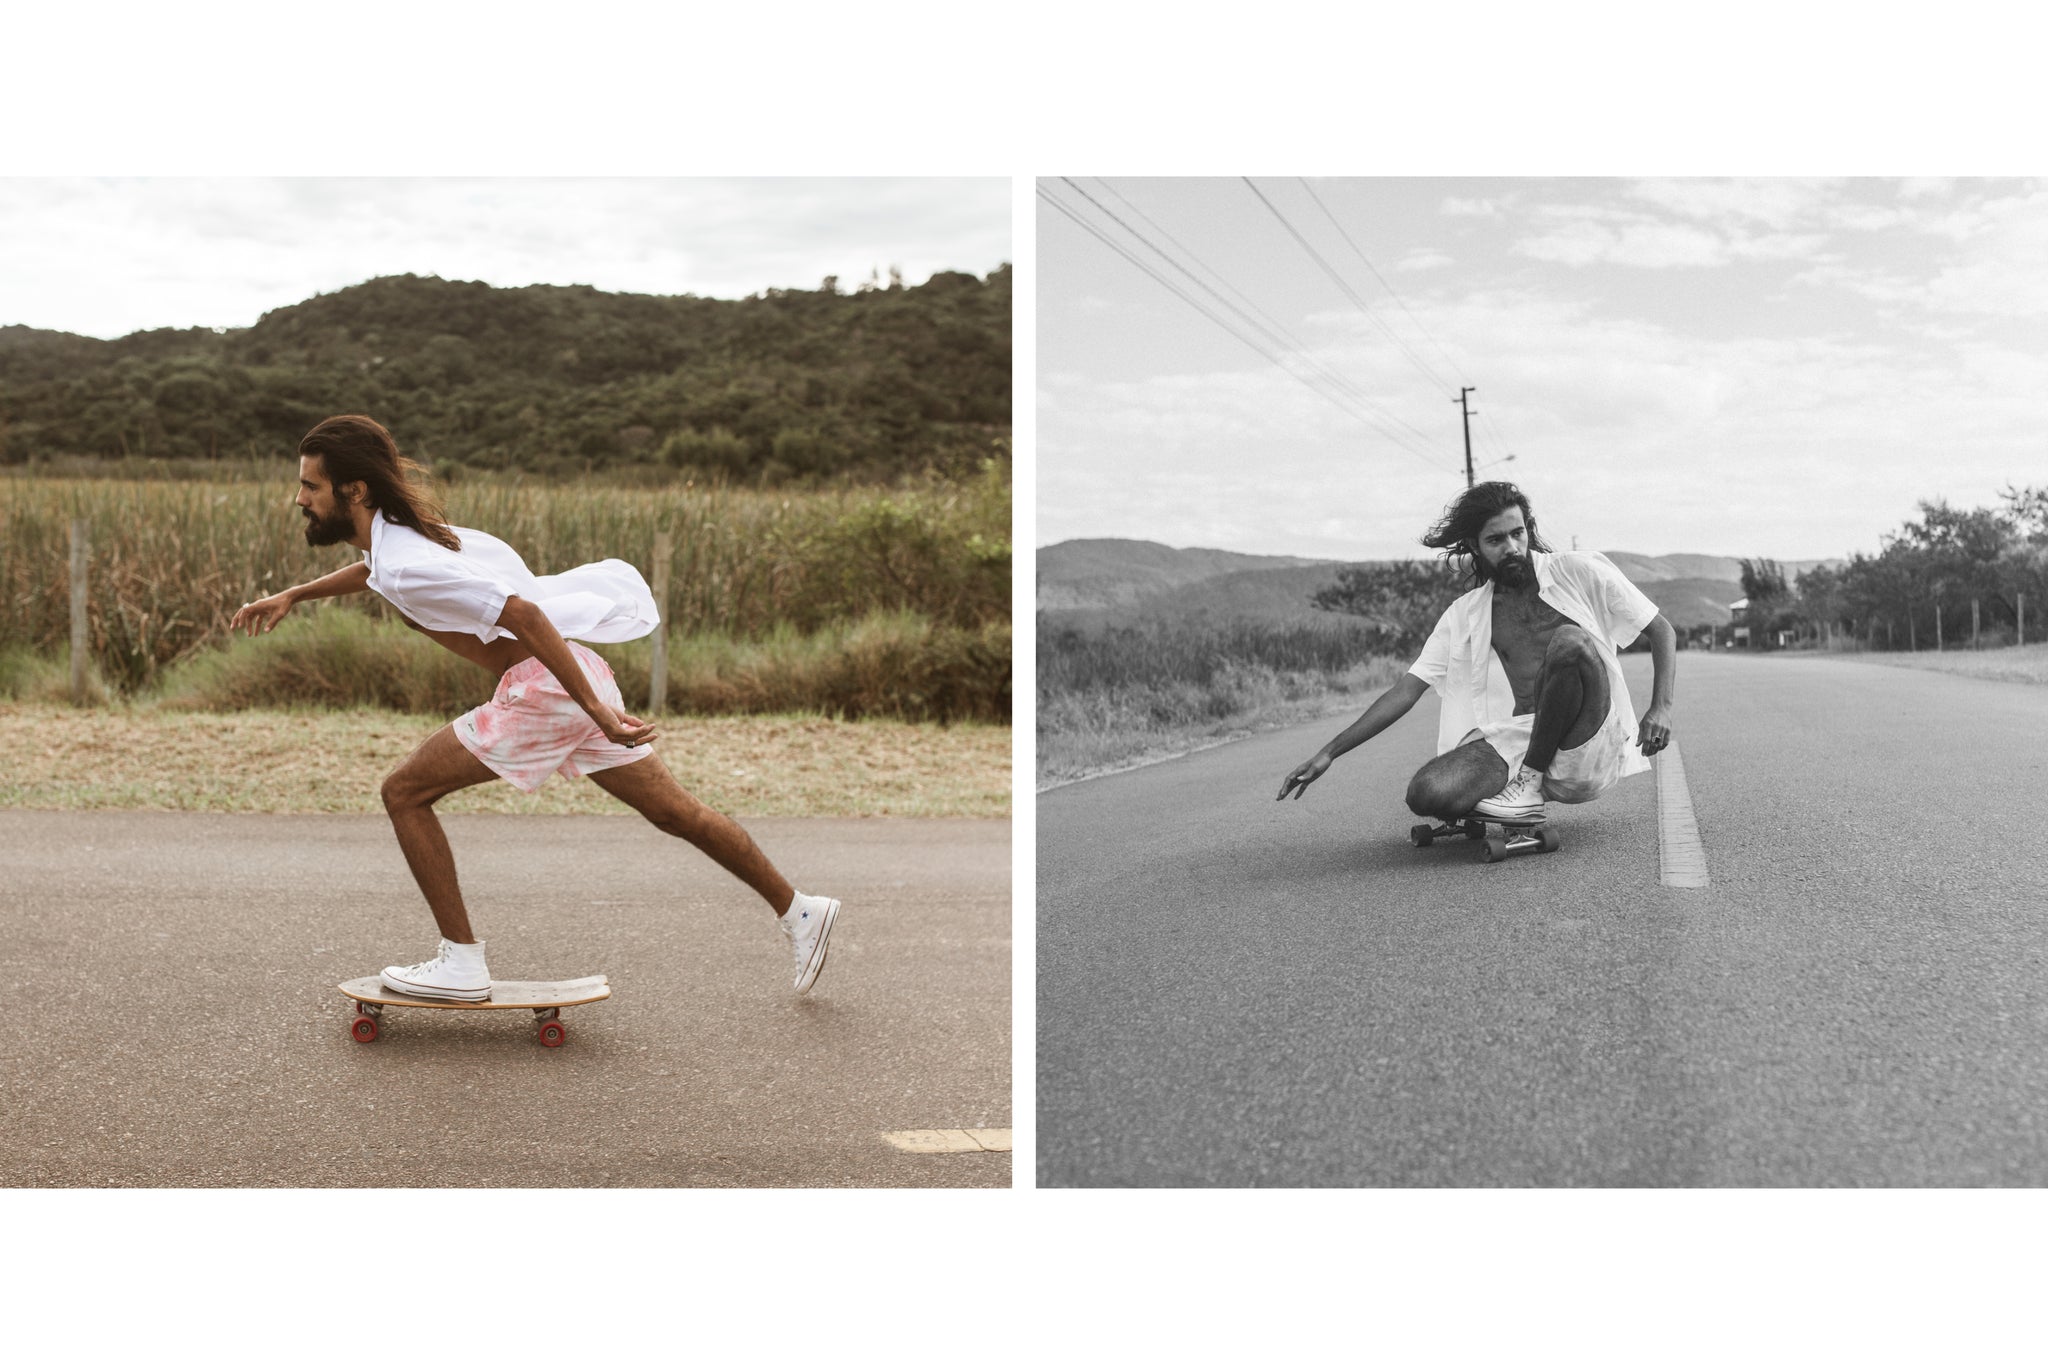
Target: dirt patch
[{"x": 283, "y": 762}]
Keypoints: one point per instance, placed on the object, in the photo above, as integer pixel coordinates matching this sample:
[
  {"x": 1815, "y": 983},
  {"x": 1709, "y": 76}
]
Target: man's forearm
[
  {"x": 531, "y": 625},
  {"x": 1663, "y": 663},
  {"x": 1389, "y": 707},
  {"x": 354, "y": 578}
]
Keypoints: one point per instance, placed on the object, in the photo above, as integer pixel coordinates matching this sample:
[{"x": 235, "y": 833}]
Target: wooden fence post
[
  {"x": 81, "y": 635},
  {"x": 1974, "y": 625},
  {"x": 657, "y": 682},
  {"x": 2023, "y": 620}
]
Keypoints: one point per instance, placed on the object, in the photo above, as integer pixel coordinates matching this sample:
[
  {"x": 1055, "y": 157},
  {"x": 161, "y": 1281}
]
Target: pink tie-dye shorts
[{"x": 532, "y": 729}]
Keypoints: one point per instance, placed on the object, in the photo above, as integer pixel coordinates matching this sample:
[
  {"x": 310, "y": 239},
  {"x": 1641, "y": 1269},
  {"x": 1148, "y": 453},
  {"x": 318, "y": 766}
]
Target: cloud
[
  {"x": 1455, "y": 207},
  {"x": 1597, "y": 237},
  {"x": 2006, "y": 272},
  {"x": 1776, "y": 204},
  {"x": 1423, "y": 259},
  {"x": 114, "y": 256}
]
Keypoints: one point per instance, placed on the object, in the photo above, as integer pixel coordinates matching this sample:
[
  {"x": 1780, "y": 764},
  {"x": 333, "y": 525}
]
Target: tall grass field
[
  {"x": 1112, "y": 698},
  {"x": 853, "y": 602}
]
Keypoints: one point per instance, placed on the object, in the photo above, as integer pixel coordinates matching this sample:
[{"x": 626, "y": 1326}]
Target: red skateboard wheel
[{"x": 552, "y": 1034}]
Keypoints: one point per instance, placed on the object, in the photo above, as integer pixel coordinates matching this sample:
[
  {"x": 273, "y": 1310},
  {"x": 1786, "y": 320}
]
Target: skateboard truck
[{"x": 1516, "y": 837}]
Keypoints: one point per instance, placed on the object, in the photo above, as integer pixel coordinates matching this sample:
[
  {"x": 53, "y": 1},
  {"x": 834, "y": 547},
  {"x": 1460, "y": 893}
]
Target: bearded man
[
  {"x": 557, "y": 707},
  {"x": 1526, "y": 666}
]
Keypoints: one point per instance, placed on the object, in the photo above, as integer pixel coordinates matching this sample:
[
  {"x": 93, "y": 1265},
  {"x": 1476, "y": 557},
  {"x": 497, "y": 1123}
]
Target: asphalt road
[
  {"x": 171, "y": 1018},
  {"x": 1239, "y": 992}
]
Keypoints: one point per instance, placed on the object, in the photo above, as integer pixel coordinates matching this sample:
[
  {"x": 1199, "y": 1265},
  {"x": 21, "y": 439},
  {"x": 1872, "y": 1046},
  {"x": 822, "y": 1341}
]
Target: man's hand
[
  {"x": 1298, "y": 780},
  {"x": 621, "y": 728},
  {"x": 1655, "y": 731},
  {"x": 261, "y": 616}
]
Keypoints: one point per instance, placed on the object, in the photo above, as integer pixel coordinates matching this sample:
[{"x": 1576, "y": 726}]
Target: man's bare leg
[
  {"x": 439, "y": 766},
  {"x": 1573, "y": 696},
  {"x": 648, "y": 787},
  {"x": 1451, "y": 784}
]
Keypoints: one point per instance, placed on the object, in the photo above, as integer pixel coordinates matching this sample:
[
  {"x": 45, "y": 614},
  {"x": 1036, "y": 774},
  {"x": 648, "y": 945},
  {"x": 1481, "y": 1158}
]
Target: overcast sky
[
  {"x": 105, "y": 257},
  {"x": 1766, "y": 367}
]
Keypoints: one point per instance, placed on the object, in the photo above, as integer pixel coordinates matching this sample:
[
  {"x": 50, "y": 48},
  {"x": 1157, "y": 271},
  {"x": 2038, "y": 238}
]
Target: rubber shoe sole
[
  {"x": 1488, "y": 810},
  {"x": 404, "y": 987},
  {"x": 816, "y": 965}
]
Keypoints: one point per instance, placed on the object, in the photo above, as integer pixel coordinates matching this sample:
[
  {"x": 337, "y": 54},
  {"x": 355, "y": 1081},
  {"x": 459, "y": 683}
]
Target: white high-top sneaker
[
  {"x": 808, "y": 923},
  {"x": 457, "y": 972},
  {"x": 1521, "y": 799}
]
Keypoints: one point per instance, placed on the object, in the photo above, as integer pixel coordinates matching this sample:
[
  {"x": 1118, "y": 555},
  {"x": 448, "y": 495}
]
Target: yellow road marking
[
  {"x": 926, "y": 1141},
  {"x": 1681, "y": 855}
]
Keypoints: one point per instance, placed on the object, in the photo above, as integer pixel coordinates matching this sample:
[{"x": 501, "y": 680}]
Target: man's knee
[
  {"x": 1434, "y": 792},
  {"x": 401, "y": 792},
  {"x": 1571, "y": 645}
]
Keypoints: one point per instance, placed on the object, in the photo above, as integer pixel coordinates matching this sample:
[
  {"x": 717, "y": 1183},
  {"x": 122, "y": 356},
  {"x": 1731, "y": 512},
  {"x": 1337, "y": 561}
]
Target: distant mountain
[
  {"x": 1100, "y": 574},
  {"x": 1642, "y": 569},
  {"x": 1115, "y": 582},
  {"x": 1690, "y": 602},
  {"x": 789, "y": 384}
]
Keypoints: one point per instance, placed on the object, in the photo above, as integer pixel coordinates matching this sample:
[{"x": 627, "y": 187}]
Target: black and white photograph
[{"x": 1539, "y": 682}]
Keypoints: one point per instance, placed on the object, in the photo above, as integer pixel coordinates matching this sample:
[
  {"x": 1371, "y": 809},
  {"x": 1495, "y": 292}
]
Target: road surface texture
[
  {"x": 1239, "y": 992},
  {"x": 171, "y": 1017}
]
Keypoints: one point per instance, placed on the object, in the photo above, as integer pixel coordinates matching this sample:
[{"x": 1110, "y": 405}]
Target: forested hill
[{"x": 553, "y": 379}]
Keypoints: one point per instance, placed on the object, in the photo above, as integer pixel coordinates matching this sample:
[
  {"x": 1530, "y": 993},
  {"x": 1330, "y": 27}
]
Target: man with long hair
[
  {"x": 1534, "y": 706},
  {"x": 557, "y": 708}
]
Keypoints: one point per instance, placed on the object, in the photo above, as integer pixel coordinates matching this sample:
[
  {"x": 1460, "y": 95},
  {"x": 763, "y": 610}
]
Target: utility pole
[{"x": 1468, "y": 432}]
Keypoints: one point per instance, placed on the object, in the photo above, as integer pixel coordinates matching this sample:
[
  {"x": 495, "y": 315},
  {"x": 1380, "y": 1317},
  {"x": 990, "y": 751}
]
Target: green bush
[{"x": 892, "y": 666}]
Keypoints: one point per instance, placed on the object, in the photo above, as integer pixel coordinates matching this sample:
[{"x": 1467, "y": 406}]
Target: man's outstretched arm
[
  {"x": 1390, "y": 706},
  {"x": 261, "y": 616},
  {"x": 1655, "y": 731}
]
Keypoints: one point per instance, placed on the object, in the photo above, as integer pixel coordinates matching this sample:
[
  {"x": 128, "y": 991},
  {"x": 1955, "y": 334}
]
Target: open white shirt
[
  {"x": 1459, "y": 662},
  {"x": 466, "y": 590}
]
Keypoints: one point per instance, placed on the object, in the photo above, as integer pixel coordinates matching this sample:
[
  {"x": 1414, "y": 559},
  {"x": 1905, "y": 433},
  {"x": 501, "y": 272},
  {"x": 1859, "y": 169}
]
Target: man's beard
[
  {"x": 1513, "y": 571},
  {"x": 332, "y": 531}
]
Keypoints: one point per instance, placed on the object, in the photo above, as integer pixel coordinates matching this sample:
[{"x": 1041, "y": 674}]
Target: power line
[
  {"x": 1282, "y": 339},
  {"x": 1360, "y": 253},
  {"x": 1276, "y": 330},
  {"x": 1487, "y": 422},
  {"x": 1337, "y": 399},
  {"x": 1393, "y": 336}
]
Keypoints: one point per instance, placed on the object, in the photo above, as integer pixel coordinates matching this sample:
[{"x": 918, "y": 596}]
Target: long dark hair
[
  {"x": 1457, "y": 533},
  {"x": 355, "y": 449}
]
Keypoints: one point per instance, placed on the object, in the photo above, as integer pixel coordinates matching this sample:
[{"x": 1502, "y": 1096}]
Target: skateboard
[
  {"x": 1516, "y": 837},
  {"x": 547, "y": 999}
]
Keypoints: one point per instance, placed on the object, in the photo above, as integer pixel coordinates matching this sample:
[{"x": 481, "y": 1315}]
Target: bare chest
[{"x": 1522, "y": 627}]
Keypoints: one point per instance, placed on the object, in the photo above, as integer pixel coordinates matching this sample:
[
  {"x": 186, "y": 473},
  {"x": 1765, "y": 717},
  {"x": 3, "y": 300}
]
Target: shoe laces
[{"x": 436, "y": 960}]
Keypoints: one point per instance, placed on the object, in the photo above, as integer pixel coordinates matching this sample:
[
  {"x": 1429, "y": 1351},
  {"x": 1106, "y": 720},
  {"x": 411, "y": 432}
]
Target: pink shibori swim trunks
[{"x": 531, "y": 729}]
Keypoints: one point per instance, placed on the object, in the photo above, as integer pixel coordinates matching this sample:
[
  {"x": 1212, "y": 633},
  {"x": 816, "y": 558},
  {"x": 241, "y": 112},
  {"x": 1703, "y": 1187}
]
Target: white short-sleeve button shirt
[
  {"x": 1459, "y": 662},
  {"x": 466, "y": 589}
]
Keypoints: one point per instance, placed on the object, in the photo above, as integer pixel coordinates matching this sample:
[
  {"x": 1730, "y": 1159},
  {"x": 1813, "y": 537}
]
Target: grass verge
[
  {"x": 2015, "y": 663},
  {"x": 304, "y": 761},
  {"x": 1092, "y": 733},
  {"x": 894, "y": 666}
]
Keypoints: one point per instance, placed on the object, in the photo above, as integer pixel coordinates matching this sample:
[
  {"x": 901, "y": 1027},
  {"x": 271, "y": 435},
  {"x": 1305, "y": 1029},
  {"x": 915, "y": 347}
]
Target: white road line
[
  {"x": 1681, "y": 856},
  {"x": 926, "y": 1141}
]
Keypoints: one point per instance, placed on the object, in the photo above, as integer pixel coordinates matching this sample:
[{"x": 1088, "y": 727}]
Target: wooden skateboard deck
[
  {"x": 547, "y": 999},
  {"x": 1516, "y": 837}
]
